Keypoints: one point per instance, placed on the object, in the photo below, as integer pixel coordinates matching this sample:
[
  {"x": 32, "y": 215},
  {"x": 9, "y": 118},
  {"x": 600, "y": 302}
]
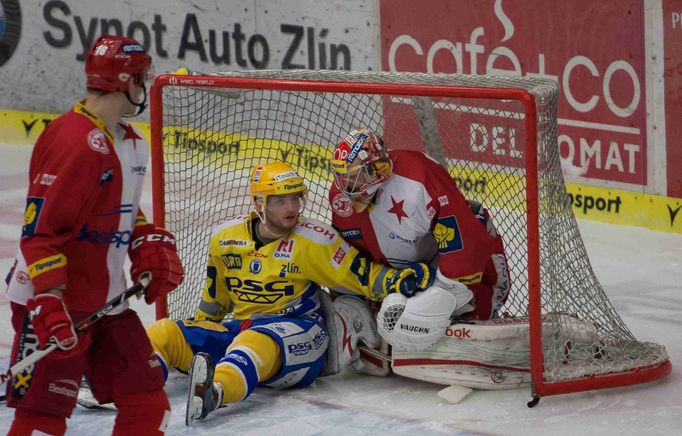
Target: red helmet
[{"x": 113, "y": 61}]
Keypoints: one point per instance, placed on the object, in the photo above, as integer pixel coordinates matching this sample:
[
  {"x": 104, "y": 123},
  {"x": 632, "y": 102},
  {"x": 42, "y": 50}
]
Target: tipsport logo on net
[{"x": 10, "y": 28}]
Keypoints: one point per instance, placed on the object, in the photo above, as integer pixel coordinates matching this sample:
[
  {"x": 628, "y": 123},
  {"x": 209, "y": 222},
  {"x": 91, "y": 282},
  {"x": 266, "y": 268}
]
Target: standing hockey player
[
  {"x": 401, "y": 206},
  {"x": 82, "y": 218},
  {"x": 267, "y": 269}
]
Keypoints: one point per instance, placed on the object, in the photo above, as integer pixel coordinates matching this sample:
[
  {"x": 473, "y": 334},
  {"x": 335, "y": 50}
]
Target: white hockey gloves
[{"x": 418, "y": 322}]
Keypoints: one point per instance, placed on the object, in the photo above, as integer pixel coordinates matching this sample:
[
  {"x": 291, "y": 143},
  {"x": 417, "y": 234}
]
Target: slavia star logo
[{"x": 397, "y": 209}]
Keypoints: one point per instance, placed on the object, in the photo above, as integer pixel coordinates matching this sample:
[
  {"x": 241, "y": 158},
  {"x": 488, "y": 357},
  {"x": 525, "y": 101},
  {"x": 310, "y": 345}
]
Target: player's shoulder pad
[
  {"x": 316, "y": 231},
  {"x": 233, "y": 221}
]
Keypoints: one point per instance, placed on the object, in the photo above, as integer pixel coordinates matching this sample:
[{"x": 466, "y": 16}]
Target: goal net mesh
[{"x": 214, "y": 135}]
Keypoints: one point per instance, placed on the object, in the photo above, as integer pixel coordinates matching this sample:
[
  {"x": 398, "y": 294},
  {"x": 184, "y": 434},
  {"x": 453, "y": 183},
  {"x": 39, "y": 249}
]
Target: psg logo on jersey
[{"x": 341, "y": 205}]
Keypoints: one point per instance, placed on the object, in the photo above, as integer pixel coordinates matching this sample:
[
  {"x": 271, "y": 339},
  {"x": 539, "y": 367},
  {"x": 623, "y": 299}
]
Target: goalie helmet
[
  {"x": 276, "y": 178},
  {"x": 113, "y": 61},
  {"x": 361, "y": 165}
]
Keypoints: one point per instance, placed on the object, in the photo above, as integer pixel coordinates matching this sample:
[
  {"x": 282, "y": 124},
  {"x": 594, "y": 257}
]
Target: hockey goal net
[{"x": 496, "y": 136}]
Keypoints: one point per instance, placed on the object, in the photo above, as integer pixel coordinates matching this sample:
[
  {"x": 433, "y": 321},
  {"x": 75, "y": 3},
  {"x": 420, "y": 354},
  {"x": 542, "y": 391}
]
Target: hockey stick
[{"x": 140, "y": 286}]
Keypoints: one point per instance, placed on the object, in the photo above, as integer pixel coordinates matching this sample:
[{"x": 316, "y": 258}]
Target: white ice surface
[{"x": 641, "y": 271}]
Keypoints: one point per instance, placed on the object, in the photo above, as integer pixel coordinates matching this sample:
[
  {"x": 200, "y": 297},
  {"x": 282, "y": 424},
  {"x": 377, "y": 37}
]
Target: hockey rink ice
[{"x": 641, "y": 271}]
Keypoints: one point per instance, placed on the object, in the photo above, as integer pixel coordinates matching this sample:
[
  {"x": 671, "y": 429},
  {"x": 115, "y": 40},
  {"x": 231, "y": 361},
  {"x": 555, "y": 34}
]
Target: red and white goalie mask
[{"x": 361, "y": 165}]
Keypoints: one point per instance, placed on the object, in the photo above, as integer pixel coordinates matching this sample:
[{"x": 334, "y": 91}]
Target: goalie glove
[
  {"x": 52, "y": 324},
  {"x": 153, "y": 249},
  {"x": 418, "y": 322},
  {"x": 349, "y": 321}
]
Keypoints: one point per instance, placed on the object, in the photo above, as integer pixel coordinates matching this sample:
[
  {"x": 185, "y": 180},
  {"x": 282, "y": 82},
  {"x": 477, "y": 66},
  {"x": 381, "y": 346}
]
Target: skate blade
[
  {"x": 87, "y": 399},
  {"x": 197, "y": 376},
  {"x": 194, "y": 407}
]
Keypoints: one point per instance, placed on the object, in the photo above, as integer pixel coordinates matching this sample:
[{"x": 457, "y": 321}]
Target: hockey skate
[
  {"x": 204, "y": 396},
  {"x": 87, "y": 399}
]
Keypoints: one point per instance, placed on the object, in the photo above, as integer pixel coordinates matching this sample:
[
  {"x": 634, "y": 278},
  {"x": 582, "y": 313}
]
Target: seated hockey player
[
  {"x": 400, "y": 206},
  {"x": 266, "y": 269}
]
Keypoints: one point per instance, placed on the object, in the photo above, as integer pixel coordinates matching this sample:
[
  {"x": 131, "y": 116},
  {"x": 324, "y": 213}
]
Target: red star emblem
[
  {"x": 130, "y": 133},
  {"x": 397, "y": 209}
]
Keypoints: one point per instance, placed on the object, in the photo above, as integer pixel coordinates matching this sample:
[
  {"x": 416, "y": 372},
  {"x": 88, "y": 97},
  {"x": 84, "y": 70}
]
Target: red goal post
[{"x": 500, "y": 132}]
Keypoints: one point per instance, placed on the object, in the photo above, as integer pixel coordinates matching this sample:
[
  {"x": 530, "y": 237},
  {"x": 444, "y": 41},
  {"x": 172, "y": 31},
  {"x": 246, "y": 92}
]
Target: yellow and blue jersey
[{"x": 282, "y": 277}]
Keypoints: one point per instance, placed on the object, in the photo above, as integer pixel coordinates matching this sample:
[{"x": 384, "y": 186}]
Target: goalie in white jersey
[
  {"x": 401, "y": 207},
  {"x": 266, "y": 269}
]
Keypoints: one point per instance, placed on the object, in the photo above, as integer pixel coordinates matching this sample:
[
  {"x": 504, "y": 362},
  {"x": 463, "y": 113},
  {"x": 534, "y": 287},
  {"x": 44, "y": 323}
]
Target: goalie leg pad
[
  {"x": 470, "y": 376},
  {"x": 349, "y": 322},
  {"x": 482, "y": 354},
  {"x": 492, "y": 354}
]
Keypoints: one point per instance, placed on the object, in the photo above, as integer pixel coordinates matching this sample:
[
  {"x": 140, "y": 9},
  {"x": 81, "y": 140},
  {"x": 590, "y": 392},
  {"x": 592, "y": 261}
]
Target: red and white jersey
[
  {"x": 81, "y": 208},
  {"x": 420, "y": 215}
]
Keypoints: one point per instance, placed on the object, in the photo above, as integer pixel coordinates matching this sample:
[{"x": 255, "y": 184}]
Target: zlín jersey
[{"x": 281, "y": 278}]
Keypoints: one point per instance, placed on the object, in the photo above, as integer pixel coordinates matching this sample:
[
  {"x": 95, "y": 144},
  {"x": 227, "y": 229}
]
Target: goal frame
[{"x": 539, "y": 387}]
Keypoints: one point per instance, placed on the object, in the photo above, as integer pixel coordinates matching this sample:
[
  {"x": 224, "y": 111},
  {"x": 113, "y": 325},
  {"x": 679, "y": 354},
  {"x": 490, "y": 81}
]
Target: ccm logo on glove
[{"x": 153, "y": 237}]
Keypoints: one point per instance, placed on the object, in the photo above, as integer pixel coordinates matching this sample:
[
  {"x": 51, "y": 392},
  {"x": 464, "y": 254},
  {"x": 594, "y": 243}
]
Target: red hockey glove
[
  {"x": 153, "y": 249},
  {"x": 52, "y": 323}
]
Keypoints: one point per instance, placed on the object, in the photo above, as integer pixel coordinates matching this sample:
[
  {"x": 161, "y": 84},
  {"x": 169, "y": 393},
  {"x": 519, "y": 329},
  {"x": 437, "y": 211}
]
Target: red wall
[{"x": 594, "y": 49}]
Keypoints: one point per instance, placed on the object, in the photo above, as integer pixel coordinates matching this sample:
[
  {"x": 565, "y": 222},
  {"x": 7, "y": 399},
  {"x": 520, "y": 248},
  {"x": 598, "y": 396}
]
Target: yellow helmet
[{"x": 275, "y": 178}]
